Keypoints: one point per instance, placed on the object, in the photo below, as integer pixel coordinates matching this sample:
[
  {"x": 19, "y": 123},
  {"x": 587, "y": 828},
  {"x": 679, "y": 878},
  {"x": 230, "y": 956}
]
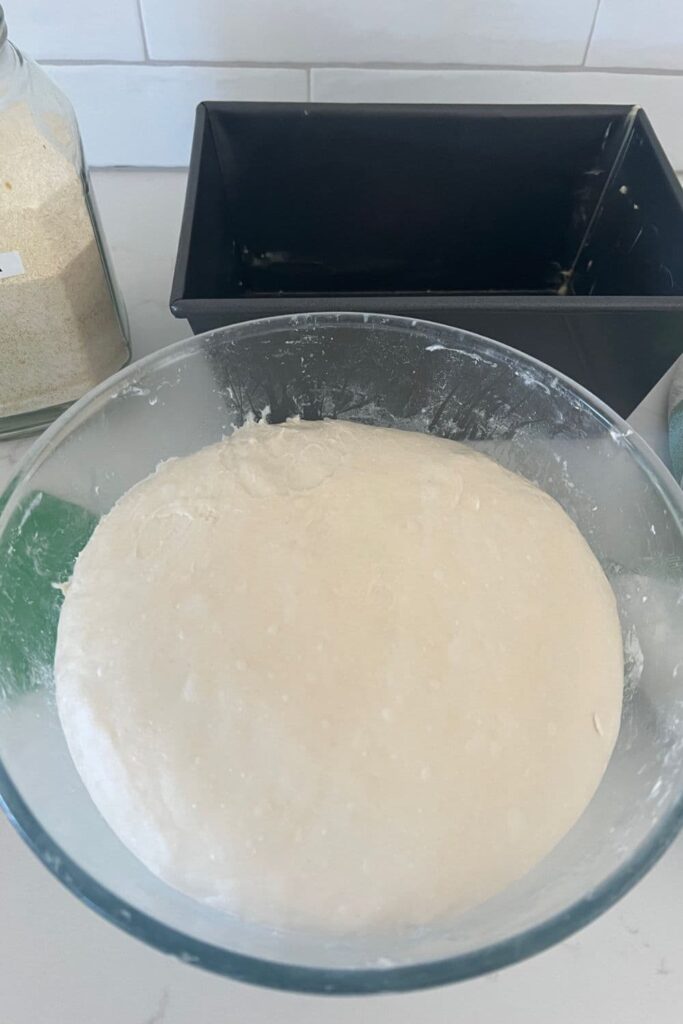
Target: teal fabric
[{"x": 676, "y": 421}]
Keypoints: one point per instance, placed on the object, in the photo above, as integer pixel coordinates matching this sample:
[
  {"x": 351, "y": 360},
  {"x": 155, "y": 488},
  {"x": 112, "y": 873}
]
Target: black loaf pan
[{"x": 555, "y": 229}]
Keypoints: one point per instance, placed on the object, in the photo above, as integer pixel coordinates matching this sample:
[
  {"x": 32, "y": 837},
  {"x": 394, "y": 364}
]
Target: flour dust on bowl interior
[{"x": 385, "y": 372}]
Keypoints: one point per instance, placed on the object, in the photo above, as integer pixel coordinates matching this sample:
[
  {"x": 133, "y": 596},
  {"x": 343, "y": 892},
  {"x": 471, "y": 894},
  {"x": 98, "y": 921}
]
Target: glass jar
[{"x": 62, "y": 325}]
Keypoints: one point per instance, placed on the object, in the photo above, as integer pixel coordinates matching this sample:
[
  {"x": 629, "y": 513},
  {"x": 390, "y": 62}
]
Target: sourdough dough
[{"x": 338, "y": 676}]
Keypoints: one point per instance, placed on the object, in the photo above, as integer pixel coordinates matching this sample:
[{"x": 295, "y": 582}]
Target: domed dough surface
[{"x": 337, "y": 675}]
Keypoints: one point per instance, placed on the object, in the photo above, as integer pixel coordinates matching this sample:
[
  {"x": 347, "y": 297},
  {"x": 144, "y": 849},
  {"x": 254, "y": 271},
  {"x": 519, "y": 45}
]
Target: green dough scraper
[{"x": 37, "y": 553}]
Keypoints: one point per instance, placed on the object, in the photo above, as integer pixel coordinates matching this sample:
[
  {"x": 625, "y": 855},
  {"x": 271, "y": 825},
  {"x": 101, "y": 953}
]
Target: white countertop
[{"x": 61, "y": 964}]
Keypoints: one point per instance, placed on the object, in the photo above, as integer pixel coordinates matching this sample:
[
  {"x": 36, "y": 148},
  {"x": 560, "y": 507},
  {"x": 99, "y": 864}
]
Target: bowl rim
[{"x": 322, "y": 980}]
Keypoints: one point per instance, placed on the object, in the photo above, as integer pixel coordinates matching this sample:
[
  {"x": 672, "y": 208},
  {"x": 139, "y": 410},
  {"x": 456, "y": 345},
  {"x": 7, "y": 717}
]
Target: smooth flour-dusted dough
[{"x": 338, "y": 676}]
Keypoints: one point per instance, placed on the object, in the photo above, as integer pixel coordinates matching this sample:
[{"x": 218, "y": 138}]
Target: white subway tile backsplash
[
  {"x": 144, "y": 115},
  {"x": 76, "y": 29},
  {"x": 135, "y": 95},
  {"x": 517, "y": 32},
  {"x": 638, "y": 34},
  {"x": 661, "y": 96}
]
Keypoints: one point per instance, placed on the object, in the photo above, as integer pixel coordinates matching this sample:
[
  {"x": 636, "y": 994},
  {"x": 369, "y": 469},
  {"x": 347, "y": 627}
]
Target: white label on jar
[{"x": 10, "y": 265}]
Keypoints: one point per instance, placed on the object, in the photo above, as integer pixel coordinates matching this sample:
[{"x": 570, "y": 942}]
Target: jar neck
[{"x": 12, "y": 67}]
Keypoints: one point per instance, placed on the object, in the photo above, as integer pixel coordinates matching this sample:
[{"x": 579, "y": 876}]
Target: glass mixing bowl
[{"x": 391, "y": 372}]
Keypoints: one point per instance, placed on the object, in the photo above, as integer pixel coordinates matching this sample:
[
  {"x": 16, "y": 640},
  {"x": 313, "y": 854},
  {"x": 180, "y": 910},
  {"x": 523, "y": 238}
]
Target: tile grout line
[
  {"x": 594, "y": 22},
  {"x": 143, "y": 30},
  {"x": 576, "y": 69}
]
